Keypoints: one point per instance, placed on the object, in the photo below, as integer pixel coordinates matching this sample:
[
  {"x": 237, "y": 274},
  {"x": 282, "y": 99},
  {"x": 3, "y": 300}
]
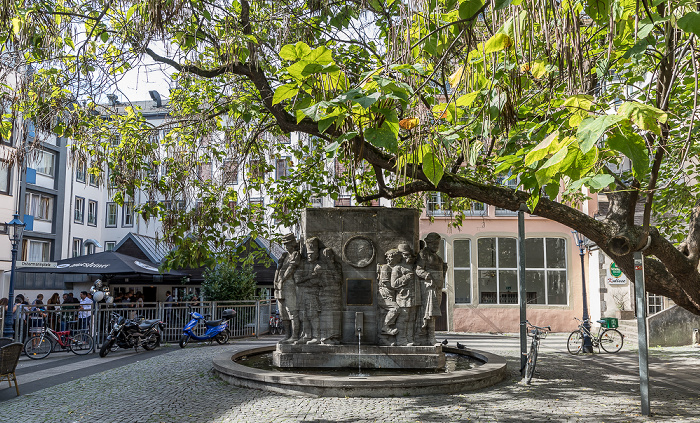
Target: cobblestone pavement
[{"x": 179, "y": 386}]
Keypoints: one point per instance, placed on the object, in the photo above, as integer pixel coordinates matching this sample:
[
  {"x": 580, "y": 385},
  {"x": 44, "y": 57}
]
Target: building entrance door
[{"x": 149, "y": 294}]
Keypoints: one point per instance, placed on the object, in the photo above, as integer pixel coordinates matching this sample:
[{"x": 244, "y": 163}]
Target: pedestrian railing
[{"x": 251, "y": 318}]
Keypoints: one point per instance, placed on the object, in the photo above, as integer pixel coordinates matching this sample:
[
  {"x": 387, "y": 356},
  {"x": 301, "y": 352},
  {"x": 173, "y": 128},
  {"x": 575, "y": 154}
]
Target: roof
[{"x": 154, "y": 249}]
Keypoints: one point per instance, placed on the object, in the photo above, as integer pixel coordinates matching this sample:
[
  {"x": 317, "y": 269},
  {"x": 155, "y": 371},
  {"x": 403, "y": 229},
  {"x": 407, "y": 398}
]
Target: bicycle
[
  {"x": 610, "y": 339},
  {"x": 276, "y": 324},
  {"x": 536, "y": 333},
  {"x": 42, "y": 344}
]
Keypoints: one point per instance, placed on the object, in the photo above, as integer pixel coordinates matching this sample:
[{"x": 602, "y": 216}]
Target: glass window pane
[
  {"x": 556, "y": 287},
  {"x": 463, "y": 286},
  {"x": 507, "y": 253},
  {"x": 487, "y": 286},
  {"x": 534, "y": 253},
  {"x": 556, "y": 253},
  {"x": 508, "y": 286},
  {"x": 462, "y": 253},
  {"x": 534, "y": 285},
  {"x": 487, "y": 252}
]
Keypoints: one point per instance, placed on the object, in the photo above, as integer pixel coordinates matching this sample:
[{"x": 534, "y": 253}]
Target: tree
[
  {"x": 568, "y": 98},
  {"x": 229, "y": 283}
]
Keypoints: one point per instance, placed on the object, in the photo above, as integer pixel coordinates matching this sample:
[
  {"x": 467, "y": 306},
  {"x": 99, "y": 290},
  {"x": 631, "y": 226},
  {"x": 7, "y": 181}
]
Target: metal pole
[
  {"x": 257, "y": 319},
  {"x": 521, "y": 280},
  {"x": 587, "y": 344},
  {"x": 642, "y": 341},
  {"x": 9, "y": 330}
]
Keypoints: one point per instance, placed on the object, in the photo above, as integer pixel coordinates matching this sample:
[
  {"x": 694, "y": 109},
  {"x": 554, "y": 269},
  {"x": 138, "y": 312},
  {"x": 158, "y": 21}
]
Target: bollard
[{"x": 696, "y": 337}]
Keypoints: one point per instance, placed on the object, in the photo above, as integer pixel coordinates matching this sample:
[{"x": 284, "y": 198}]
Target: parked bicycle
[
  {"x": 608, "y": 338},
  {"x": 42, "y": 344},
  {"x": 537, "y": 333},
  {"x": 276, "y": 327}
]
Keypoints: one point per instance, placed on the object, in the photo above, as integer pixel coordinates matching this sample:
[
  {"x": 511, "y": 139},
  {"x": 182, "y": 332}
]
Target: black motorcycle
[{"x": 128, "y": 333}]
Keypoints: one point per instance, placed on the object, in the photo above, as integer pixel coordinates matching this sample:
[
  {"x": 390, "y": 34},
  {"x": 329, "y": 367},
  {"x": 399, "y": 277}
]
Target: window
[
  {"x": 343, "y": 201},
  {"x": 115, "y": 141},
  {"x": 80, "y": 171},
  {"x": 93, "y": 179},
  {"x": 282, "y": 167},
  {"x": 90, "y": 248},
  {"x": 128, "y": 214},
  {"x": 5, "y": 177},
  {"x": 257, "y": 208},
  {"x": 110, "y": 245},
  {"x": 204, "y": 171},
  {"x": 655, "y": 303},
  {"x": 77, "y": 247},
  {"x": 111, "y": 220},
  {"x": 545, "y": 271},
  {"x": 510, "y": 183},
  {"x": 111, "y": 182},
  {"x": 38, "y": 205},
  {"x": 6, "y": 137},
  {"x": 317, "y": 202},
  {"x": 79, "y": 210},
  {"x": 477, "y": 209},
  {"x": 44, "y": 163},
  {"x": 33, "y": 250},
  {"x": 31, "y": 131},
  {"x": 230, "y": 172},
  {"x": 461, "y": 273},
  {"x": 257, "y": 169},
  {"x": 438, "y": 204},
  {"x": 92, "y": 213}
]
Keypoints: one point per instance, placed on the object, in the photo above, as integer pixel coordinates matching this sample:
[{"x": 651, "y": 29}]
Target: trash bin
[{"x": 610, "y": 322}]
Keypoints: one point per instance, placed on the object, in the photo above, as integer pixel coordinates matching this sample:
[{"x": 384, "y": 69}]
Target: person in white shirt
[{"x": 85, "y": 312}]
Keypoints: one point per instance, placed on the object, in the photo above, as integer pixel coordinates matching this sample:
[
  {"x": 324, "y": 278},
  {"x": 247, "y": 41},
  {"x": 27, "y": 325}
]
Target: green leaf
[
  {"x": 382, "y": 137},
  {"x": 542, "y": 149},
  {"x": 367, "y": 100},
  {"x": 433, "y": 168},
  {"x": 578, "y": 102},
  {"x": 131, "y": 11},
  {"x": 556, "y": 159},
  {"x": 643, "y": 115},
  {"x": 501, "y": 4},
  {"x": 497, "y": 43},
  {"x": 690, "y": 22},
  {"x": 599, "y": 182},
  {"x": 294, "y": 52},
  {"x": 468, "y": 8},
  {"x": 320, "y": 55},
  {"x": 467, "y": 99},
  {"x": 635, "y": 149},
  {"x": 591, "y": 129},
  {"x": 284, "y": 92},
  {"x": 317, "y": 111}
]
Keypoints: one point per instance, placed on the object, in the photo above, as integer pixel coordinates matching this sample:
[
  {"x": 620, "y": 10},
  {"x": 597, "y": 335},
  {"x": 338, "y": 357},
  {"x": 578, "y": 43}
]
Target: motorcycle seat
[
  {"x": 213, "y": 322},
  {"x": 147, "y": 324}
]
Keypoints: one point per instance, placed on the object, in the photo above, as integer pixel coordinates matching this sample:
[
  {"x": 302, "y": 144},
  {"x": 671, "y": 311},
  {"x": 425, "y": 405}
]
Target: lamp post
[
  {"x": 14, "y": 230},
  {"x": 587, "y": 344}
]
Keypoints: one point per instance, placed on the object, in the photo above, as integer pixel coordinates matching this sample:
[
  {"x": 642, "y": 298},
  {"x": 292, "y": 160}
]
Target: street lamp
[
  {"x": 14, "y": 230},
  {"x": 587, "y": 344}
]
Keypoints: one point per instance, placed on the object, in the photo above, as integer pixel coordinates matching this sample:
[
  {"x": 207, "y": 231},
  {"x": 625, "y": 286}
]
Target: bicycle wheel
[
  {"x": 38, "y": 347},
  {"x": 575, "y": 342},
  {"x": 81, "y": 343},
  {"x": 530, "y": 364},
  {"x": 611, "y": 340}
]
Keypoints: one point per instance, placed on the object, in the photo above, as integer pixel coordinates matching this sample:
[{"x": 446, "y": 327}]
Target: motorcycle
[
  {"x": 128, "y": 333},
  {"x": 216, "y": 329}
]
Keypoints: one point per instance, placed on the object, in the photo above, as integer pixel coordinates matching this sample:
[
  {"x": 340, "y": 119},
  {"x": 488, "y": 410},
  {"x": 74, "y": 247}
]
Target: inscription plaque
[{"x": 359, "y": 291}]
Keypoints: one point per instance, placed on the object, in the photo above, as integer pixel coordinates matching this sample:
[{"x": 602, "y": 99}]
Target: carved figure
[
  {"x": 387, "y": 294},
  {"x": 430, "y": 269},
  {"x": 285, "y": 288},
  {"x": 308, "y": 282},
  {"x": 331, "y": 277},
  {"x": 403, "y": 280}
]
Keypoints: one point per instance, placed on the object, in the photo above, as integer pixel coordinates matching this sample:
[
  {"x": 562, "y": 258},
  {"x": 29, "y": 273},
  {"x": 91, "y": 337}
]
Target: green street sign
[{"x": 614, "y": 270}]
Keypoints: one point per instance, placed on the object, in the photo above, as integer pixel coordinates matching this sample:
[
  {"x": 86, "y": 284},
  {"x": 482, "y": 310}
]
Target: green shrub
[{"x": 224, "y": 282}]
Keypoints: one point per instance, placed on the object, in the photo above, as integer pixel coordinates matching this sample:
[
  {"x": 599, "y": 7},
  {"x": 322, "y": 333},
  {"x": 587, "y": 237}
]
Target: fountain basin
[
  {"x": 491, "y": 372},
  {"x": 370, "y": 357}
]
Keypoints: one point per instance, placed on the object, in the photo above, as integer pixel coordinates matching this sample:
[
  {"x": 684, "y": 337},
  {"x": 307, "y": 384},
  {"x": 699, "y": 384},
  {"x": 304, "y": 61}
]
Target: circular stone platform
[{"x": 491, "y": 372}]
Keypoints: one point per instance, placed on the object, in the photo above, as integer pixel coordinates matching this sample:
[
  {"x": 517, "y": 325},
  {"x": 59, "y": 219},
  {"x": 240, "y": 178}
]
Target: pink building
[{"x": 482, "y": 279}]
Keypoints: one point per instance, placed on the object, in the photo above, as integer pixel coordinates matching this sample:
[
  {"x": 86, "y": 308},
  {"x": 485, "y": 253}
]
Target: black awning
[{"x": 106, "y": 263}]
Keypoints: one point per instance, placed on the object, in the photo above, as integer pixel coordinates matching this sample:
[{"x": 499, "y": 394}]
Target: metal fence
[{"x": 252, "y": 317}]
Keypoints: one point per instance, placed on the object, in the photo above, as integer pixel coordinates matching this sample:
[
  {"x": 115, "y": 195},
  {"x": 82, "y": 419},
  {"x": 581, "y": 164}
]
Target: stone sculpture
[
  {"x": 386, "y": 294},
  {"x": 285, "y": 288},
  {"x": 331, "y": 277},
  {"x": 308, "y": 282},
  {"x": 404, "y": 281},
  {"x": 430, "y": 270}
]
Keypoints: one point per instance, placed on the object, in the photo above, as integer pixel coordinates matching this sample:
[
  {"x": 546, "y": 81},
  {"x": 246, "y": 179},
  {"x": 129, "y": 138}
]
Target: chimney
[{"x": 155, "y": 95}]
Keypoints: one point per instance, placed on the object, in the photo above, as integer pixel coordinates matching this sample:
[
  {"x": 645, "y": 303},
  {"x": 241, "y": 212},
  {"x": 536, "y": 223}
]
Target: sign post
[{"x": 643, "y": 344}]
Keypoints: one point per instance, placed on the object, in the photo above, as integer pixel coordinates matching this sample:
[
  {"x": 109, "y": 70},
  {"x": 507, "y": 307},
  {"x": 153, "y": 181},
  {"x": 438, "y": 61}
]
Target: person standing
[
  {"x": 404, "y": 281},
  {"x": 430, "y": 269},
  {"x": 52, "y": 307},
  {"x": 285, "y": 289},
  {"x": 85, "y": 312},
  {"x": 308, "y": 283},
  {"x": 168, "y": 306}
]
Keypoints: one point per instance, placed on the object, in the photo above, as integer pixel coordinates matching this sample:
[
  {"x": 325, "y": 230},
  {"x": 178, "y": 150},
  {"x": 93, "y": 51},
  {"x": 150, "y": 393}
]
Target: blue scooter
[{"x": 216, "y": 329}]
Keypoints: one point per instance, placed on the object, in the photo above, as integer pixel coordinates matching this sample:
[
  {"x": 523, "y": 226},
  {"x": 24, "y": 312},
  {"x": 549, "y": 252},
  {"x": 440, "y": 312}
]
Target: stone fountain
[{"x": 359, "y": 290}]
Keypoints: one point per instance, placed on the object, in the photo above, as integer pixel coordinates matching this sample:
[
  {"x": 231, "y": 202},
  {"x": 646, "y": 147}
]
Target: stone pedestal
[{"x": 369, "y": 356}]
